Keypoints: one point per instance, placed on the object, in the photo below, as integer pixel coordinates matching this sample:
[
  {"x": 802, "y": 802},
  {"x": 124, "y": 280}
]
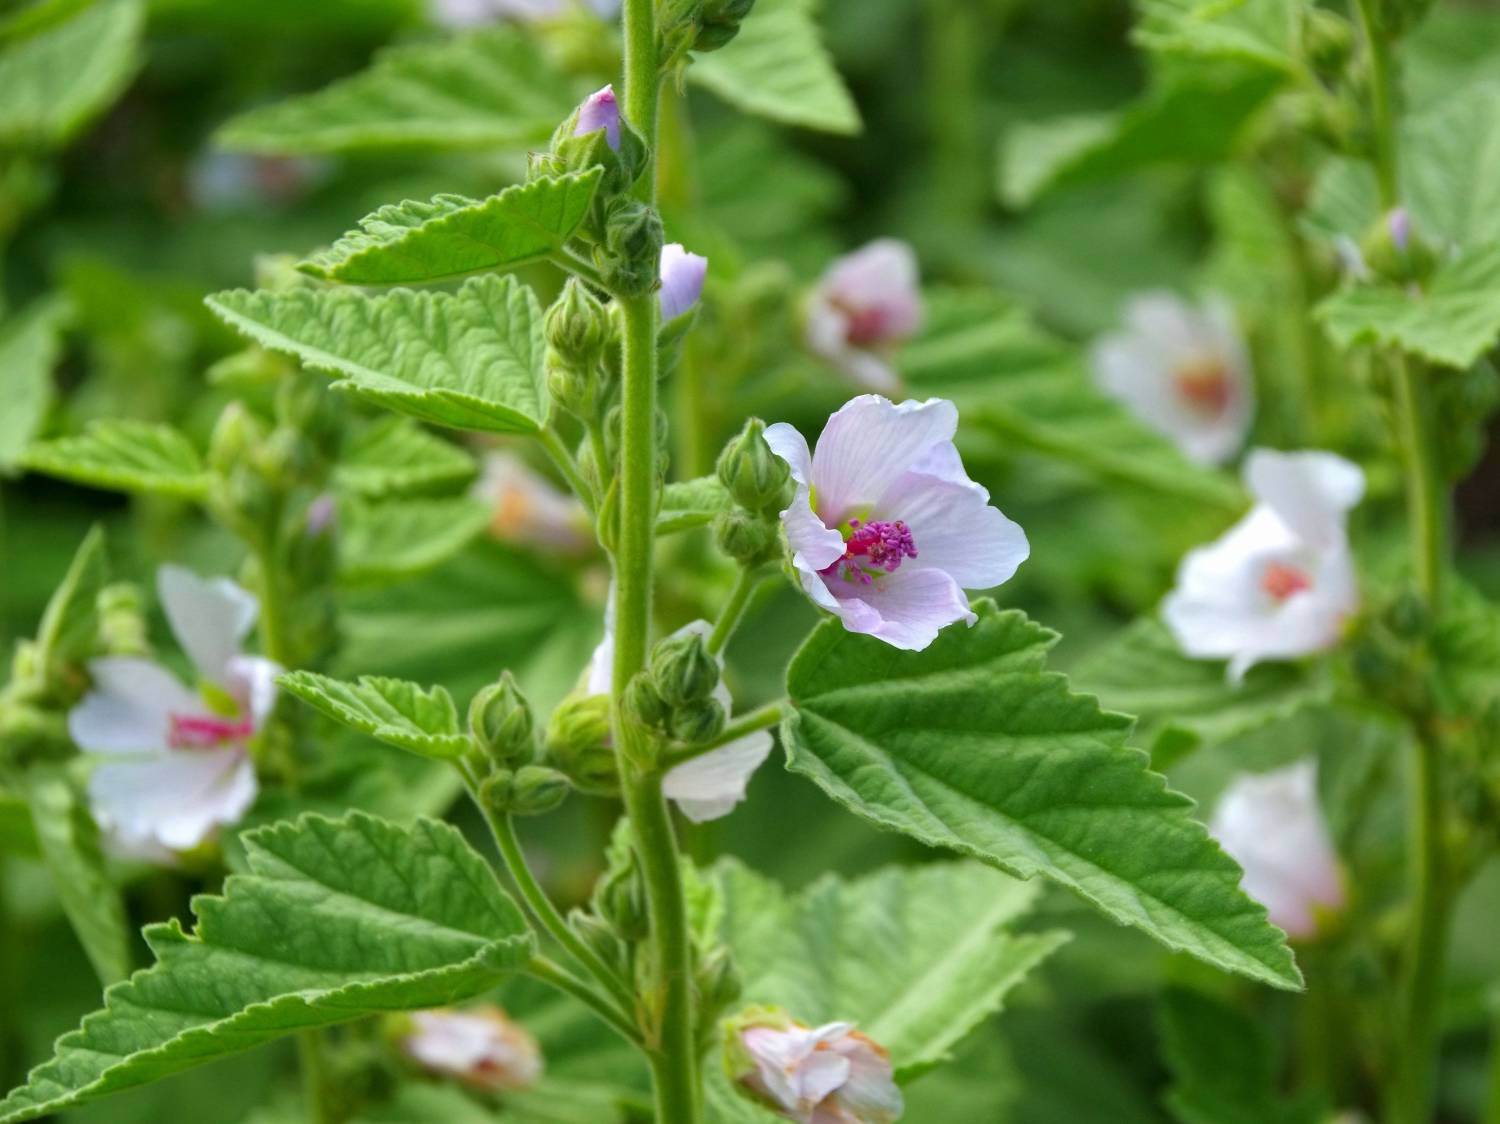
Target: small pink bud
[
  {"x": 682, "y": 276},
  {"x": 600, "y": 110},
  {"x": 1398, "y": 222}
]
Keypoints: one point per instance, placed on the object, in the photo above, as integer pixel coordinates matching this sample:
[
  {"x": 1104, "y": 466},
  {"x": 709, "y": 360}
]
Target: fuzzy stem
[
  {"x": 745, "y": 585},
  {"x": 761, "y": 718},
  {"x": 568, "y": 466},
  {"x": 550, "y": 972}
]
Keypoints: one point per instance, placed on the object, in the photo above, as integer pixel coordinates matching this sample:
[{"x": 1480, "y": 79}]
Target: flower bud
[
  {"x": 682, "y": 277},
  {"x": 285, "y": 459},
  {"x": 719, "y": 982},
  {"x": 579, "y": 743},
  {"x": 1328, "y": 38},
  {"x": 683, "y": 669},
  {"x": 601, "y": 937},
  {"x": 500, "y": 720},
  {"x": 596, "y": 135},
  {"x": 536, "y": 789},
  {"x": 237, "y": 434},
  {"x": 644, "y": 702},
  {"x": 620, "y": 901},
  {"x": 720, "y": 22},
  {"x": 631, "y": 255},
  {"x": 698, "y": 722},
  {"x": 748, "y": 539},
  {"x": 1392, "y": 249},
  {"x": 577, "y": 325},
  {"x": 756, "y": 478},
  {"x": 599, "y": 111},
  {"x": 122, "y": 621}
]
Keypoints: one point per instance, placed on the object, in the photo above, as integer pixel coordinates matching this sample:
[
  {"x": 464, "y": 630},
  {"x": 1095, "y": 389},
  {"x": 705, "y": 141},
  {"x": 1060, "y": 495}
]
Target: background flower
[{"x": 865, "y": 306}]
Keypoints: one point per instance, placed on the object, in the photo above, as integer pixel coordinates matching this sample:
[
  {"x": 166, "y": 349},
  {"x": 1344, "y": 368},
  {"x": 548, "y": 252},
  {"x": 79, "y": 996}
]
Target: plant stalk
[{"x": 745, "y": 585}]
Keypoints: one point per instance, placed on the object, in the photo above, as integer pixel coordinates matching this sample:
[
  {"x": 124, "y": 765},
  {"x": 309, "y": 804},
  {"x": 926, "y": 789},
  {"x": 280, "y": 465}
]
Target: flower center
[
  {"x": 866, "y": 325},
  {"x": 1281, "y": 580},
  {"x": 197, "y": 731},
  {"x": 871, "y": 549},
  {"x": 1204, "y": 386}
]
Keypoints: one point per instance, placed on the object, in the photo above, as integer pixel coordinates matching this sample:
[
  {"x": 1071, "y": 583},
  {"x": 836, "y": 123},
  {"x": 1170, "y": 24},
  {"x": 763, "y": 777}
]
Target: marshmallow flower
[
  {"x": 1272, "y": 826},
  {"x": 1183, "y": 372},
  {"x": 682, "y": 276},
  {"x": 830, "y": 1074},
  {"x": 480, "y": 1047},
  {"x": 709, "y": 786},
  {"x": 174, "y": 766},
  {"x": 886, "y": 529},
  {"x": 865, "y": 306},
  {"x": 527, "y": 509},
  {"x": 1280, "y": 583},
  {"x": 459, "y": 15}
]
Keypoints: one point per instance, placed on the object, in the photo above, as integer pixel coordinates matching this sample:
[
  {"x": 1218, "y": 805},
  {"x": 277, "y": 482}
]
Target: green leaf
[
  {"x": 385, "y": 542},
  {"x": 30, "y": 344},
  {"x": 399, "y": 713},
  {"x": 17, "y": 832},
  {"x": 124, "y": 455},
  {"x": 1192, "y": 118},
  {"x": 494, "y": 89},
  {"x": 453, "y": 236},
  {"x": 1183, "y": 703},
  {"x": 1466, "y": 641},
  {"x": 1263, "y": 32},
  {"x": 474, "y": 359},
  {"x": 69, "y": 842},
  {"x": 1015, "y": 381},
  {"x": 59, "y": 78},
  {"x": 1452, "y": 321},
  {"x": 972, "y": 745},
  {"x": 778, "y": 68},
  {"x": 70, "y": 623},
  {"x": 337, "y": 919},
  {"x": 690, "y": 503},
  {"x": 396, "y": 456}
]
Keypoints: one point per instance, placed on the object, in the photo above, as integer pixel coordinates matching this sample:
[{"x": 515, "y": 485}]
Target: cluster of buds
[
  {"x": 515, "y": 782},
  {"x": 578, "y": 330},
  {"x": 758, "y": 483},
  {"x": 698, "y": 25},
  {"x": 678, "y": 693}
]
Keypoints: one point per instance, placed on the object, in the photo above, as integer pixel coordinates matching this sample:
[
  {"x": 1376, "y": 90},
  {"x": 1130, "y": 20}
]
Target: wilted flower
[
  {"x": 830, "y": 1074},
  {"x": 866, "y": 304},
  {"x": 1183, "y": 372},
  {"x": 600, "y": 110},
  {"x": 1270, "y": 823},
  {"x": 528, "y": 509},
  {"x": 177, "y": 767},
  {"x": 682, "y": 276},
  {"x": 886, "y": 529},
  {"x": 1280, "y": 583},
  {"x": 480, "y": 1047}
]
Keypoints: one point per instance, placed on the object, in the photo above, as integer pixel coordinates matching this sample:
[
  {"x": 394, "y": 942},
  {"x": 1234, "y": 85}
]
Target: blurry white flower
[
  {"x": 1280, "y": 583},
  {"x": 528, "y": 509},
  {"x": 234, "y": 181},
  {"x": 176, "y": 767},
  {"x": 865, "y": 306},
  {"x": 682, "y": 276},
  {"x": 886, "y": 529},
  {"x": 1183, "y": 372},
  {"x": 480, "y": 1047},
  {"x": 461, "y": 14},
  {"x": 1270, "y": 823},
  {"x": 830, "y": 1074}
]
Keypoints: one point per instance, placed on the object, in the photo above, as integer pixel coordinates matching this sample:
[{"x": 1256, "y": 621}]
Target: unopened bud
[
  {"x": 579, "y": 743},
  {"x": 720, "y": 22},
  {"x": 621, "y": 902},
  {"x": 644, "y": 701},
  {"x": 682, "y": 277},
  {"x": 748, "y": 539},
  {"x": 1393, "y": 250},
  {"x": 719, "y": 982},
  {"x": 285, "y": 458},
  {"x": 698, "y": 722},
  {"x": 683, "y": 669},
  {"x": 600, "y": 937},
  {"x": 1329, "y": 40},
  {"x": 631, "y": 255},
  {"x": 596, "y": 134},
  {"x": 577, "y": 326},
  {"x": 536, "y": 789},
  {"x": 237, "y": 434},
  {"x": 1407, "y": 617},
  {"x": 500, "y": 720},
  {"x": 122, "y": 621},
  {"x": 756, "y": 478}
]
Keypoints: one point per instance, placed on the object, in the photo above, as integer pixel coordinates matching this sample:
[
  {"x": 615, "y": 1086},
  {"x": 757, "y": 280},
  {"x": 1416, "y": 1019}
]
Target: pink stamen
[
  {"x": 195, "y": 731},
  {"x": 1282, "y": 581},
  {"x": 881, "y": 545}
]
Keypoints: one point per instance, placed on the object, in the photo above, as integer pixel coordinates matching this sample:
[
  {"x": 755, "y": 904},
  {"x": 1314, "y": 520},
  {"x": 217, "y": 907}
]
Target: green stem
[
  {"x": 745, "y": 585},
  {"x": 1492, "y": 1100},
  {"x": 315, "y": 1084},
  {"x": 1382, "y": 95},
  {"x": 1423, "y": 488},
  {"x": 556, "y": 975},
  {"x": 274, "y": 643},
  {"x": 563, "y": 458},
  {"x": 954, "y": 39},
  {"x": 570, "y": 262},
  {"x": 761, "y": 718}
]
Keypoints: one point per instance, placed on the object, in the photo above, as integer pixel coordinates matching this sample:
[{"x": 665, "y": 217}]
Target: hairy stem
[
  {"x": 761, "y": 718},
  {"x": 745, "y": 585},
  {"x": 566, "y": 464},
  {"x": 1382, "y": 94},
  {"x": 550, "y": 972}
]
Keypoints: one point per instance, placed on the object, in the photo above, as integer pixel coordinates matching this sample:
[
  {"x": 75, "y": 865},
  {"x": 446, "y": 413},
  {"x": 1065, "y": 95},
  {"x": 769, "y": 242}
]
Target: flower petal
[
  {"x": 682, "y": 276},
  {"x": 708, "y": 787},
  {"x": 175, "y": 799},
  {"x": 1310, "y": 491},
  {"x": 209, "y": 617},
  {"x": 251, "y": 680},
  {"x": 868, "y": 444},
  {"x": 906, "y": 609},
  {"x": 130, "y": 708}
]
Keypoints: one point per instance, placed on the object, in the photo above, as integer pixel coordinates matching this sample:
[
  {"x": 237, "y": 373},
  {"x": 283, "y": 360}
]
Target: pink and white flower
[
  {"x": 709, "y": 786},
  {"x": 1280, "y": 583},
  {"x": 830, "y": 1074},
  {"x": 1271, "y": 824},
  {"x": 866, "y": 305},
  {"x": 481, "y": 1047},
  {"x": 174, "y": 763},
  {"x": 528, "y": 509},
  {"x": 886, "y": 529},
  {"x": 459, "y": 15},
  {"x": 682, "y": 277},
  {"x": 1183, "y": 371},
  {"x": 600, "y": 110}
]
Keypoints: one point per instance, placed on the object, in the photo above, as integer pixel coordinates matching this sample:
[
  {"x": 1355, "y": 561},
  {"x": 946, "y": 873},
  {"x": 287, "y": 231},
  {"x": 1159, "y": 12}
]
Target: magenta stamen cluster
[
  {"x": 192, "y": 731},
  {"x": 878, "y": 545}
]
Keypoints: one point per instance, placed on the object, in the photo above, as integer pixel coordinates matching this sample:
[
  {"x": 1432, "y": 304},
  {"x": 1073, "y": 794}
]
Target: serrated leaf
[
  {"x": 1014, "y": 380},
  {"x": 59, "y": 78},
  {"x": 493, "y": 89},
  {"x": 126, "y": 456},
  {"x": 337, "y": 919},
  {"x": 690, "y": 503},
  {"x": 421, "y": 720},
  {"x": 473, "y": 359},
  {"x": 453, "y": 236},
  {"x": 778, "y": 68},
  {"x": 396, "y": 456},
  {"x": 30, "y": 344},
  {"x": 1451, "y": 321},
  {"x": 1183, "y": 703},
  {"x": 973, "y": 746},
  {"x": 68, "y": 840},
  {"x": 1264, "y": 32},
  {"x": 70, "y": 623},
  {"x": 385, "y": 542}
]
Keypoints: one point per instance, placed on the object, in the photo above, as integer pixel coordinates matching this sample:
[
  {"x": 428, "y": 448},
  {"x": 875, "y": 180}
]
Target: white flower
[
  {"x": 480, "y": 1047},
  {"x": 528, "y": 509},
  {"x": 682, "y": 276},
  {"x": 459, "y": 15},
  {"x": 1183, "y": 372},
  {"x": 1270, "y": 823},
  {"x": 830, "y": 1074},
  {"x": 709, "y": 786},
  {"x": 865, "y": 306},
  {"x": 886, "y": 529},
  {"x": 175, "y": 766},
  {"x": 1280, "y": 583}
]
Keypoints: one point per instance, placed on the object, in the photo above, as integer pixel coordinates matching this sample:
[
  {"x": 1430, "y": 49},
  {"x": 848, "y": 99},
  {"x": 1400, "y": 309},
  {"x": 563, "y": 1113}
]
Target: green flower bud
[
  {"x": 1407, "y": 616},
  {"x": 1328, "y": 38},
  {"x": 536, "y": 789},
  {"x": 1392, "y": 249},
  {"x": 719, "y": 982},
  {"x": 720, "y": 22},
  {"x": 500, "y": 720},
  {"x": 698, "y": 722},
  {"x": 122, "y": 621},
  {"x": 495, "y": 790},
  {"x": 645, "y": 703},
  {"x": 631, "y": 254},
  {"x": 286, "y": 458},
  {"x": 580, "y": 744},
  {"x": 601, "y": 937},
  {"x": 757, "y": 479},
  {"x": 748, "y": 539},
  {"x": 577, "y": 325},
  {"x": 620, "y": 901},
  {"x": 247, "y": 504},
  {"x": 683, "y": 670},
  {"x": 237, "y": 434}
]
